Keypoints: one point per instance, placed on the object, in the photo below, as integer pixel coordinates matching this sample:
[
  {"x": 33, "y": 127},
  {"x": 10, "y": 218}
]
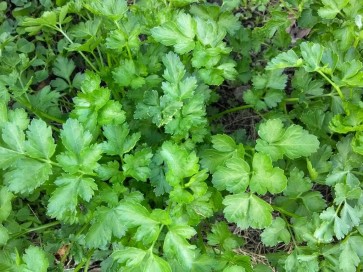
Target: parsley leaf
[
  {"x": 247, "y": 210},
  {"x": 65, "y": 198},
  {"x": 293, "y": 142},
  {"x": 275, "y": 233},
  {"x": 179, "y": 33}
]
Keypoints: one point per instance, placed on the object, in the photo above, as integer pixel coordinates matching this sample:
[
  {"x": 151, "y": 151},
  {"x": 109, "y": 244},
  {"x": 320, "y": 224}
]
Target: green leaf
[
  {"x": 332, "y": 224},
  {"x": 302, "y": 262},
  {"x": 134, "y": 215},
  {"x": 35, "y": 260},
  {"x": 179, "y": 33},
  {"x": 63, "y": 68},
  {"x": 74, "y": 137},
  {"x": 247, "y": 210},
  {"x": 85, "y": 162},
  {"x": 112, "y": 9},
  {"x": 331, "y": 8},
  {"x": 180, "y": 163},
  {"x": 276, "y": 233},
  {"x": 137, "y": 165},
  {"x": 107, "y": 222},
  {"x": 351, "y": 253},
  {"x": 119, "y": 141},
  {"x": 312, "y": 54},
  {"x": 266, "y": 177},
  {"x": 8, "y": 157},
  {"x": 4, "y": 236},
  {"x": 64, "y": 200},
  {"x": 14, "y": 137},
  {"x": 174, "y": 68},
  {"x": 234, "y": 176},
  {"x": 5, "y": 203},
  {"x": 221, "y": 235},
  {"x": 285, "y": 60},
  {"x": 224, "y": 148},
  {"x": 177, "y": 247},
  {"x": 40, "y": 143},
  {"x": 128, "y": 74},
  {"x": 293, "y": 142},
  {"x": 111, "y": 113},
  {"x": 27, "y": 175},
  {"x": 138, "y": 260},
  {"x": 208, "y": 32}
]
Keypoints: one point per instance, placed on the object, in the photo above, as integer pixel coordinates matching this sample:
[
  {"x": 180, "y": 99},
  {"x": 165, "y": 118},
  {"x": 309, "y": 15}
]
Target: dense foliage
[{"x": 114, "y": 151}]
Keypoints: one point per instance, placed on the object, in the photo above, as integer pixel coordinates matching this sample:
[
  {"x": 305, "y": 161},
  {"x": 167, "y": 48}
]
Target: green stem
[
  {"x": 80, "y": 52},
  {"x": 42, "y": 227},
  {"x": 219, "y": 115},
  {"x": 200, "y": 239},
  {"x": 85, "y": 262},
  {"x": 153, "y": 244},
  {"x": 283, "y": 211},
  {"x": 336, "y": 87},
  {"x": 290, "y": 230}
]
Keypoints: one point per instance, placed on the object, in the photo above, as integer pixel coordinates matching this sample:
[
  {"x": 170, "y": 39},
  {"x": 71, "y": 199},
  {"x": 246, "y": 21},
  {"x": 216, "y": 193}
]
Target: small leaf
[{"x": 247, "y": 210}]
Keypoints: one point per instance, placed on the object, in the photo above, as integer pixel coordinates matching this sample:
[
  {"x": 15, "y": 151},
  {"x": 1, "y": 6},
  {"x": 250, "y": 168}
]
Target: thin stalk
[
  {"x": 200, "y": 239},
  {"x": 282, "y": 211},
  {"x": 153, "y": 244},
  {"x": 42, "y": 227},
  {"x": 336, "y": 87},
  {"x": 85, "y": 262},
  {"x": 80, "y": 52},
  {"x": 219, "y": 115},
  {"x": 290, "y": 230}
]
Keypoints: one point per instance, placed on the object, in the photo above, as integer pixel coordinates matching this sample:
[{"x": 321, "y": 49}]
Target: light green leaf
[
  {"x": 177, "y": 247},
  {"x": 351, "y": 253},
  {"x": 119, "y": 141},
  {"x": 285, "y": 60},
  {"x": 179, "y": 33},
  {"x": 224, "y": 148},
  {"x": 234, "y": 176},
  {"x": 35, "y": 260},
  {"x": 74, "y": 137},
  {"x": 112, "y": 9},
  {"x": 5, "y": 203},
  {"x": 134, "y": 215},
  {"x": 27, "y": 175},
  {"x": 221, "y": 235},
  {"x": 137, "y": 165},
  {"x": 331, "y": 8},
  {"x": 276, "y": 233},
  {"x": 14, "y": 137},
  {"x": 107, "y": 222},
  {"x": 312, "y": 54},
  {"x": 64, "y": 200},
  {"x": 294, "y": 141},
  {"x": 174, "y": 68},
  {"x": 4, "y": 236},
  {"x": 180, "y": 163},
  {"x": 8, "y": 157},
  {"x": 208, "y": 32},
  {"x": 266, "y": 177},
  {"x": 40, "y": 143},
  {"x": 247, "y": 210}
]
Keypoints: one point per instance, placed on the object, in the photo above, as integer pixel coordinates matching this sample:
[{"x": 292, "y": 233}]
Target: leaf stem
[
  {"x": 153, "y": 244},
  {"x": 80, "y": 52},
  {"x": 42, "y": 227},
  {"x": 283, "y": 211},
  {"x": 85, "y": 262},
  {"x": 336, "y": 87},
  {"x": 219, "y": 115}
]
